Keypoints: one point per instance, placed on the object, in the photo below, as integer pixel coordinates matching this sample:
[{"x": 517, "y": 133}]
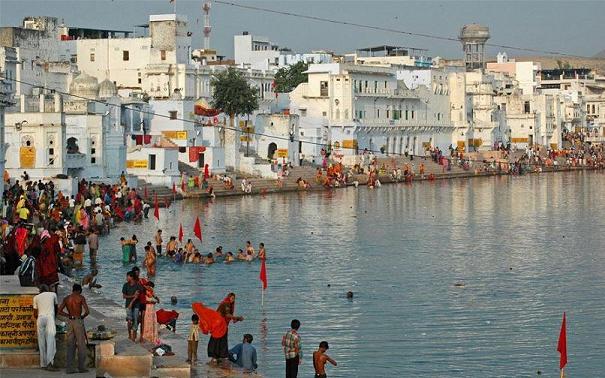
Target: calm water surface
[{"x": 526, "y": 249}]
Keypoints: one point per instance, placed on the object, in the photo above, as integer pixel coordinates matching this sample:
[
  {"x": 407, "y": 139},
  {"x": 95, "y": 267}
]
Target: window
[
  {"x": 125, "y": 55},
  {"x": 163, "y": 54},
  {"x": 406, "y": 114},
  {"x": 93, "y": 160},
  {"x": 324, "y": 113},
  {"x": 412, "y": 114},
  {"x": 377, "y": 113},
  {"x": 92, "y": 57},
  {"x": 173, "y": 114},
  {"x": 139, "y": 80},
  {"x": 526, "y": 107},
  {"x": 323, "y": 88},
  {"x": 152, "y": 162}
]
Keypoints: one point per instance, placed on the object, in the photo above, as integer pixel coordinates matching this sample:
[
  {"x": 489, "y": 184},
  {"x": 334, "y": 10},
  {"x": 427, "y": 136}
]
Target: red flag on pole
[
  {"x": 197, "y": 229},
  {"x": 562, "y": 347},
  {"x": 181, "y": 233},
  {"x": 156, "y": 211},
  {"x": 263, "y": 274},
  {"x": 174, "y": 188}
]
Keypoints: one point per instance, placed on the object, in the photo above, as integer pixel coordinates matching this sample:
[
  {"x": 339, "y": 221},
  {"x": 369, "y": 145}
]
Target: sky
[{"x": 571, "y": 27}]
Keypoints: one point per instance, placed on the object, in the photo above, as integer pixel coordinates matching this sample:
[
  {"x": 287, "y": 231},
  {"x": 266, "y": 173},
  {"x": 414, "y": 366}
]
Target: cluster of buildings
[{"x": 93, "y": 103}]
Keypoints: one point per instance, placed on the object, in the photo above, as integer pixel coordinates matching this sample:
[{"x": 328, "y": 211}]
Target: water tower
[{"x": 473, "y": 38}]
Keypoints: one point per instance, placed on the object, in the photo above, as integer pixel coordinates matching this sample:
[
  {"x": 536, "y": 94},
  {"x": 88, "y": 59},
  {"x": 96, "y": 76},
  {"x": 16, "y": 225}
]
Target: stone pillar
[{"x": 232, "y": 144}]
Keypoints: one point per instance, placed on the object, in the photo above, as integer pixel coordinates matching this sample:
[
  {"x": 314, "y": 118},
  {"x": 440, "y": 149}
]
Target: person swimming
[
  {"x": 209, "y": 259},
  {"x": 240, "y": 255},
  {"x": 229, "y": 258}
]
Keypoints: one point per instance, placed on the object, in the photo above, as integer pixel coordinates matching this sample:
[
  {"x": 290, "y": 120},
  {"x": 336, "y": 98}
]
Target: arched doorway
[{"x": 271, "y": 150}]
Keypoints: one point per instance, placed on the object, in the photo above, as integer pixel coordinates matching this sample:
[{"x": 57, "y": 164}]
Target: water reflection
[{"x": 526, "y": 249}]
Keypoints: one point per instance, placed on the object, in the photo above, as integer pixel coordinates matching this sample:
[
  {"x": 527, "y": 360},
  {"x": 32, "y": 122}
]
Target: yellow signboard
[
  {"x": 349, "y": 143},
  {"x": 245, "y": 138},
  {"x": 179, "y": 135},
  {"x": 475, "y": 142},
  {"x": 27, "y": 157},
  {"x": 17, "y": 323},
  {"x": 519, "y": 140},
  {"x": 136, "y": 163},
  {"x": 282, "y": 152}
]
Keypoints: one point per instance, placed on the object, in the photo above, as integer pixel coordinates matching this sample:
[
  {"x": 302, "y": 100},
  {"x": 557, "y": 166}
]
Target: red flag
[
  {"x": 263, "y": 274},
  {"x": 562, "y": 347},
  {"x": 156, "y": 211},
  {"x": 181, "y": 232},
  {"x": 174, "y": 188},
  {"x": 197, "y": 229}
]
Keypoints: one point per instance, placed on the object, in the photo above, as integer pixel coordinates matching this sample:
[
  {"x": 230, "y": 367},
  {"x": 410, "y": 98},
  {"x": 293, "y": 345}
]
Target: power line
[
  {"x": 381, "y": 28},
  {"x": 323, "y": 145}
]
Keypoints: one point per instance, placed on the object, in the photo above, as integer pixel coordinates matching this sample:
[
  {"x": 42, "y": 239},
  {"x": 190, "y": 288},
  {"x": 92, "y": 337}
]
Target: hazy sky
[{"x": 574, "y": 27}]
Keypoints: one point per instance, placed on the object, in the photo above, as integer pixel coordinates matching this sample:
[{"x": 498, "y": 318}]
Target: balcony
[
  {"x": 75, "y": 160},
  {"x": 385, "y": 92},
  {"x": 403, "y": 124}
]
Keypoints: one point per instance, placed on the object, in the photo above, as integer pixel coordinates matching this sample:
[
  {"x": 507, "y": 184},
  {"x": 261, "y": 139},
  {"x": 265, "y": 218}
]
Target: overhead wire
[
  {"x": 327, "y": 146},
  {"x": 382, "y": 28}
]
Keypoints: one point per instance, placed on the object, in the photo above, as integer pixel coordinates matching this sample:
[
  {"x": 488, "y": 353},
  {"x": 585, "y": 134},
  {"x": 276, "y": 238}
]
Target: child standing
[{"x": 193, "y": 339}]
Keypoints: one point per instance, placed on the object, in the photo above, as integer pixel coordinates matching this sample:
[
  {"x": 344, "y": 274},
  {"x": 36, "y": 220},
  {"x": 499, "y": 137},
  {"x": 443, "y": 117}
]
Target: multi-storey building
[{"x": 351, "y": 107}]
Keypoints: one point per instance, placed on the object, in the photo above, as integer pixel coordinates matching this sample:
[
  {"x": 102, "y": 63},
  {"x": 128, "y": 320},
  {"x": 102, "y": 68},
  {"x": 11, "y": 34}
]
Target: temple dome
[
  {"x": 107, "y": 89},
  {"x": 85, "y": 86}
]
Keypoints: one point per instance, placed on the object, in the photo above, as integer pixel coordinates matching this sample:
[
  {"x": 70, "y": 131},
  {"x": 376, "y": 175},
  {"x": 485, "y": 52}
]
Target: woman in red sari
[{"x": 218, "y": 348}]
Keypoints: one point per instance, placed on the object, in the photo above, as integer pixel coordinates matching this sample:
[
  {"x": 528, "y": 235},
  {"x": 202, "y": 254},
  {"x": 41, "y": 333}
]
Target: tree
[
  {"x": 288, "y": 78},
  {"x": 232, "y": 93},
  {"x": 233, "y": 96}
]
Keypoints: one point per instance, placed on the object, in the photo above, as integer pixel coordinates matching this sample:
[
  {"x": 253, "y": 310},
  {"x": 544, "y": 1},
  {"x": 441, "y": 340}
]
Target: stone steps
[{"x": 24, "y": 359}]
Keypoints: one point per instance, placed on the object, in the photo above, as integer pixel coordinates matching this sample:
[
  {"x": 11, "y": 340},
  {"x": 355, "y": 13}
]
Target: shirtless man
[
  {"x": 77, "y": 310},
  {"x": 158, "y": 242},
  {"x": 249, "y": 247},
  {"x": 171, "y": 247},
  {"x": 319, "y": 360}
]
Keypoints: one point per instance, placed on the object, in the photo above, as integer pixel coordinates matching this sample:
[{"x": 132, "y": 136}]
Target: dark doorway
[
  {"x": 271, "y": 150},
  {"x": 200, "y": 161},
  {"x": 152, "y": 162}
]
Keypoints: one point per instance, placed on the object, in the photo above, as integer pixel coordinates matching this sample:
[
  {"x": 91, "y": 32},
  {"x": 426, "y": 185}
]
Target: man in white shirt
[{"x": 45, "y": 306}]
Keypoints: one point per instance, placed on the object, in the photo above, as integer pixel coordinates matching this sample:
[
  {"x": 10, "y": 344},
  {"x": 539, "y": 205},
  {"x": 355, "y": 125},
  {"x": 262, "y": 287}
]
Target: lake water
[{"x": 525, "y": 248}]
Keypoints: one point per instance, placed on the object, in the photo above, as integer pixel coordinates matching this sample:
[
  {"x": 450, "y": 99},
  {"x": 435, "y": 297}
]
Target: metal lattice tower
[{"x": 207, "y": 27}]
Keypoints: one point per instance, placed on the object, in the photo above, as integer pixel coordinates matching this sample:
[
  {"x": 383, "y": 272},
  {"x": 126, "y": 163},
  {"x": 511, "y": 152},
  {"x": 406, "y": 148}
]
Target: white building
[
  {"x": 5, "y": 101},
  {"x": 69, "y": 135},
  {"x": 359, "y": 106},
  {"x": 255, "y": 51}
]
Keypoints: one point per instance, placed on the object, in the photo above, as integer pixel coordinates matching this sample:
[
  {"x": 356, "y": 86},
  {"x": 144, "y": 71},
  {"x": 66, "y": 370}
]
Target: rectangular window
[
  {"x": 412, "y": 114},
  {"x": 323, "y": 88},
  {"x": 93, "y": 151},
  {"x": 92, "y": 57},
  {"x": 324, "y": 113},
  {"x": 93, "y": 160},
  {"x": 152, "y": 162},
  {"x": 125, "y": 55},
  {"x": 163, "y": 54},
  {"x": 526, "y": 107},
  {"x": 139, "y": 80},
  {"x": 377, "y": 113},
  {"x": 406, "y": 114},
  {"x": 173, "y": 114}
]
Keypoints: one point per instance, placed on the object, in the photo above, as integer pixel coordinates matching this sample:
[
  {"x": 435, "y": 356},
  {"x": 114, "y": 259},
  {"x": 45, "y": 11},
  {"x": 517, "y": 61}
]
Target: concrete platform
[{"x": 26, "y": 358}]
